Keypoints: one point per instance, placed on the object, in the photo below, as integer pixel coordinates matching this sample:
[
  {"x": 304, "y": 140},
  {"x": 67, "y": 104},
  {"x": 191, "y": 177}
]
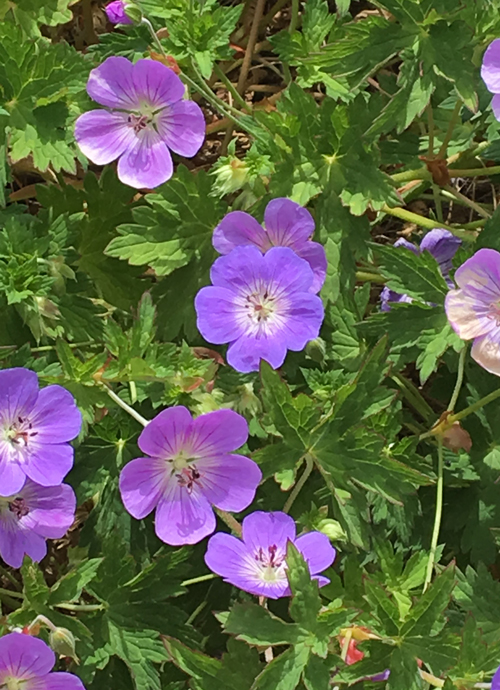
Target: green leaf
[
  {"x": 306, "y": 601},
  {"x": 30, "y": 14},
  {"x": 317, "y": 674},
  {"x": 284, "y": 672},
  {"x": 257, "y": 626},
  {"x": 69, "y": 587}
]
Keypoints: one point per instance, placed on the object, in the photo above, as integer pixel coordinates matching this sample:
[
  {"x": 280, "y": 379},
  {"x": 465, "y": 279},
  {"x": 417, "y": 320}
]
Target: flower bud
[
  {"x": 316, "y": 349},
  {"x": 332, "y": 529},
  {"x": 63, "y": 643},
  {"x": 117, "y": 13}
]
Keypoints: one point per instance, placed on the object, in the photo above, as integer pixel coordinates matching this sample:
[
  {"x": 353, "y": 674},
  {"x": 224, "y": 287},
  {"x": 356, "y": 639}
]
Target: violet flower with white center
[
  {"x": 147, "y": 118},
  {"x": 26, "y": 663},
  {"x": 261, "y": 305},
  {"x": 474, "y": 309},
  {"x": 35, "y": 430},
  {"x": 443, "y": 246},
  {"x": 32, "y": 515},
  {"x": 256, "y": 562},
  {"x": 286, "y": 224},
  {"x": 191, "y": 467},
  {"x": 490, "y": 73},
  {"x": 115, "y": 12}
]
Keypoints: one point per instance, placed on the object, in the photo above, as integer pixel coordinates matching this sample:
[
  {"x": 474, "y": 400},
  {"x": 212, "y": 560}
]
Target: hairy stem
[
  {"x": 460, "y": 378},
  {"x": 428, "y": 223},
  {"x": 230, "y": 521},
  {"x": 449, "y": 133},
  {"x": 130, "y": 410},
  {"x": 201, "y": 578}
]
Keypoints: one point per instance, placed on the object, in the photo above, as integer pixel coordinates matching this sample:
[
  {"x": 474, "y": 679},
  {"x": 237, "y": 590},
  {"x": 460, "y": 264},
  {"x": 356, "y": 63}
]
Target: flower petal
[
  {"x": 287, "y": 271},
  {"x": 156, "y": 84},
  {"x": 315, "y": 255},
  {"x": 495, "y": 105},
  {"x": 216, "y": 315},
  {"x": 18, "y": 393},
  {"x": 229, "y": 482},
  {"x": 245, "y": 353},
  {"x": 23, "y": 656},
  {"x": 287, "y": 222},
  {"x": 261, "y": 530},
  {"x": 239, "y": 228},
  {"x": 182, "y": 127},
  {"x": 182, "y": 517},
  {"x": 51, "y": 509},
  {"x": 481, "y": 274},
  {"x": 495, "y": 681},
  {"x": 241, "y": 270},
  {"x": 486, "y": 351},
  {"x": 147, "y": 164},
  {"x": 103, "y": 136},
  {"x": 115, "y": 12},
  {"x": 317, "y": 551},
  {"x": 111, "y": 84},
  {"x": 490, "y": 69},
  {"x": 166, "y": 434},
  {"x": 49, "y": 463},
  {"x": 468, "y": 317},
  {"x": 12, "y": 544},
  {"x": 55, "y": 681},
  {"x": 55, "y": 417},
  {"x": 302, "y": 322},
  {"x": 142, "y": 483},
  {"x": 12, "y": 476},
  {"x": 443, "y": 246},
  {"x": 218, "y": 432}
]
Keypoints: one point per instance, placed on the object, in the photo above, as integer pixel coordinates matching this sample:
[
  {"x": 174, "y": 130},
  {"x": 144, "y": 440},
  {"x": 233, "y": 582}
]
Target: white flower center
[
  {"x": 11, "y": 683},
  {"x": 18, "y": 432},
  {"x": 271, "y": 564},
  {"x": 15, "y": 505},
  {"x": 260, "y": 306},
  {"x": 185, "y": 471}
]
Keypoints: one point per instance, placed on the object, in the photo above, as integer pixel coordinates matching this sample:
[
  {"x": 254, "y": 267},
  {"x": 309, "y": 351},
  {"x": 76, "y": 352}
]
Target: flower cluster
[
  {"x": 263, "y": 300},
  {"x": 443, "y": 246},
  {"x": 27, "y": 662},
  {"x": 35, "y": 456}
]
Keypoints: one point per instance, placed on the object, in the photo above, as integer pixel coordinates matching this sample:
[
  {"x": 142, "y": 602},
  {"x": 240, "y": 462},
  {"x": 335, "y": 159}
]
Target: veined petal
[
  {"x": 486, "y": 351},
  {"x": 218, "y": 432},
  {"x": 317, "y": 551},
  {"x": 239, "y": 271},
  {"x": 182, "y": 127},
  {"x": 47, "y": 464},
  {"x": 261, "y": 530},
  {"x": 183, "y": 517},
  {"x": 155, "y": 84},
  {"x": 167, "y": 434},
  {"x": 469, "y": 317},
  {"x": 490, "y": 69},
  {"x": 239, "y": 228},
  {"x": 111, "y": 84},
  {"x": 147, "y": 164},
  {"x": 217, "y": 315},
  {"x": 23, "y": 656},
  {"x": 55, "y": 681},
  {"x": 230, "y": 481},
  {"x": 287, "y": 223},
  {"x": 480, "y": 275},
  {"x": 18, "y": 393},
  {"x": 495, "y": 105},
  {"x": 103, "y": 136},
  {"x": 51, "y": 509},
  {"x": 287, "y": 272},
  {"x": 55, "y": 417},
  {"x": 245, "y": 353},
  {"x": 302, "y": 322},
  {"x": 315, "y": 255},
  {"x": 142, "y": 483},
  {"x": 12, "y": 476}
]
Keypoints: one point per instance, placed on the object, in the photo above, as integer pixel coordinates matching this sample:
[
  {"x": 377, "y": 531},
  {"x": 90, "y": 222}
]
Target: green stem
[
  {"x": 449, "y": 133},
  {"x": 130, "y": 410},
  {"x": 82, "y": 607},
  {"x": 468, "y": 202},
  {"x": 295, "y": 16},
  {"x": 437, "y": 203},
  {"x": 414, "y": 397},
  {"x": 230, "y": 521},
  {"x": 460, "y": 378},
  {"x": 428, "y": 223},
  {"x": 195, "y": 580},
  {"x": 410, "y": 175},
  {"x": 437, "y": 517},
  {"x": 298, "y": 486},
  {"x": 370, "y": 277},
  {"x": 472, "y": 408},
  {"x": 430, "y": 120},
  {"x": 229, "y": 86},
  {"x": 475, "y": 172},
  {"x": 10, "y": 593}
]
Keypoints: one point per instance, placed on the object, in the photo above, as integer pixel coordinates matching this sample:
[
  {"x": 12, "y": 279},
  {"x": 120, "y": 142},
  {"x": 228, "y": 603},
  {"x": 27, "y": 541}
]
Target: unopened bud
[
  {"x": 332, "y": 529},
  {"x": 316, "y": 349},
  {"x": 456, "y": 438},
  {"x": 117, "y": 12},
  {"x": 63, "y": 643}
]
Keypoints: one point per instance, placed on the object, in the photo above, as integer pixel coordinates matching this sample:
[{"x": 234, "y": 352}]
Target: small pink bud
[{"x": 116, "y": 13}]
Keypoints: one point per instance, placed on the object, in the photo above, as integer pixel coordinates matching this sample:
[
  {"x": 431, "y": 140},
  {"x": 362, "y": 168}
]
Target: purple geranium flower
[
  {"x": 35, "y": 427},
  {"x": 287, "y": 224},
  {"x": 261, "y": 305},
  {"x": 256, "y": 563},
  {"x": 443, "y": 246},
  {"x": 26, "y": 662},
  {"x": 116, "y": 12},
  {"x": 147, "y": 117},
  {"x": 474, "y": 309},
  {"x": 191, "y": 468},
  {"x": 490, "y": 72},
  {"x": 32, "y": 515}
]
